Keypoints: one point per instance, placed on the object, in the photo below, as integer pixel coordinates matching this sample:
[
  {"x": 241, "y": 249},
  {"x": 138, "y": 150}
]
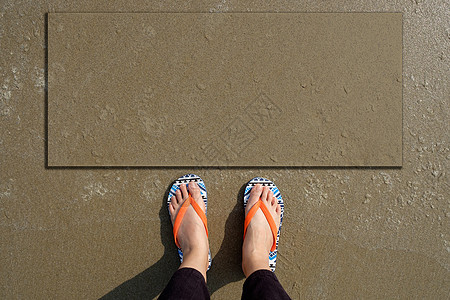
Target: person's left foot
[
  {"x": 259, "y": 238},
  {"x": 191, "y": 234}
]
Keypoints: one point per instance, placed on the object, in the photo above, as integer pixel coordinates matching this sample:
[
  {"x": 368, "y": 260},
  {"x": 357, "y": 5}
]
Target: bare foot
[
  {"x": 192, "y": 234},
  {"x": 258, "y": 239}
]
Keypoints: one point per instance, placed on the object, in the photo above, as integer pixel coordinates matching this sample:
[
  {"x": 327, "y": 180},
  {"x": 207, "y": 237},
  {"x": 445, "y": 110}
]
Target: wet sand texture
[
  {"x": 101, "y": 232},
  {"x": 233, "y": 89}
]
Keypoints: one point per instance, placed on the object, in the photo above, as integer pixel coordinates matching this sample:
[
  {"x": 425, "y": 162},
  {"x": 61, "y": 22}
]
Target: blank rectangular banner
[{"x": 225, "y": 89}]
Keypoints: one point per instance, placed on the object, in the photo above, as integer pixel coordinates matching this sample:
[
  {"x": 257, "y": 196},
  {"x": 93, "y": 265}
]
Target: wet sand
[{"x": 71, "y": 233}]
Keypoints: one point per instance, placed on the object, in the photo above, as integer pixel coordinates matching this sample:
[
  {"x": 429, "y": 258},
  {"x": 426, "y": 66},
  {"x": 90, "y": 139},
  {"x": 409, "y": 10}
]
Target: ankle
[
  {"x": 254, "y": 260},
  {"x": 195, "y": 250},
  {"x": 196, "y": 258},
  {"x": 251, "y": 266}
]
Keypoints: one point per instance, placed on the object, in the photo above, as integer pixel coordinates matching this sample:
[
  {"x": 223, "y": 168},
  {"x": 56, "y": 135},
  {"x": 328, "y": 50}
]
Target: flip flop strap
[
  {"x": 182, "y": 211},
  {"x": 269, "y": 218}
]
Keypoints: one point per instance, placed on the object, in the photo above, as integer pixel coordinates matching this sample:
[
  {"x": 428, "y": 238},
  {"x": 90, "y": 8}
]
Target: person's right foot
[
  {"x": 191, "y": 235},
  {"x": 258, "y": 238}
]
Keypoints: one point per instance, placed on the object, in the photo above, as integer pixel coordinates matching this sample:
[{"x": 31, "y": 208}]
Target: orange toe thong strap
[
  {"x": 182, "y": 211},
  {"x": 265, "y": 210}
]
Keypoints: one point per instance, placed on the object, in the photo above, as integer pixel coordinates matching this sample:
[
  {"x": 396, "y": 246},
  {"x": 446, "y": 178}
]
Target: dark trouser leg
[
  {"x": 186, "y": 284},
  {"x": 263, "y": 284}
]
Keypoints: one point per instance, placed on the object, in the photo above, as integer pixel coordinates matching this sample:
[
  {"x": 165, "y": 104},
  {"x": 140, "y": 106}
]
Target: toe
[
  {"x": 274, "y": 201},
  {"x": 184, "y": 192},
  {"x": 255, "y": 193},
  {"x": 194, "y": 189},
  {"x": 173, "y": 201},
  {"x": 265, "y": 193},
  {"x": 269, "y": 196},
  {"x": 171, "y": 208},
  {"x": 179, "y": 197}
]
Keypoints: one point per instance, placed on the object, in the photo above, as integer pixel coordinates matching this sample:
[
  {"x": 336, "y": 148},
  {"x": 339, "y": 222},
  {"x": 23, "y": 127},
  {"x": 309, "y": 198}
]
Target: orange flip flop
[
  {"x": 189, "y": 201},
  {"x": 260, "y": 205}
]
